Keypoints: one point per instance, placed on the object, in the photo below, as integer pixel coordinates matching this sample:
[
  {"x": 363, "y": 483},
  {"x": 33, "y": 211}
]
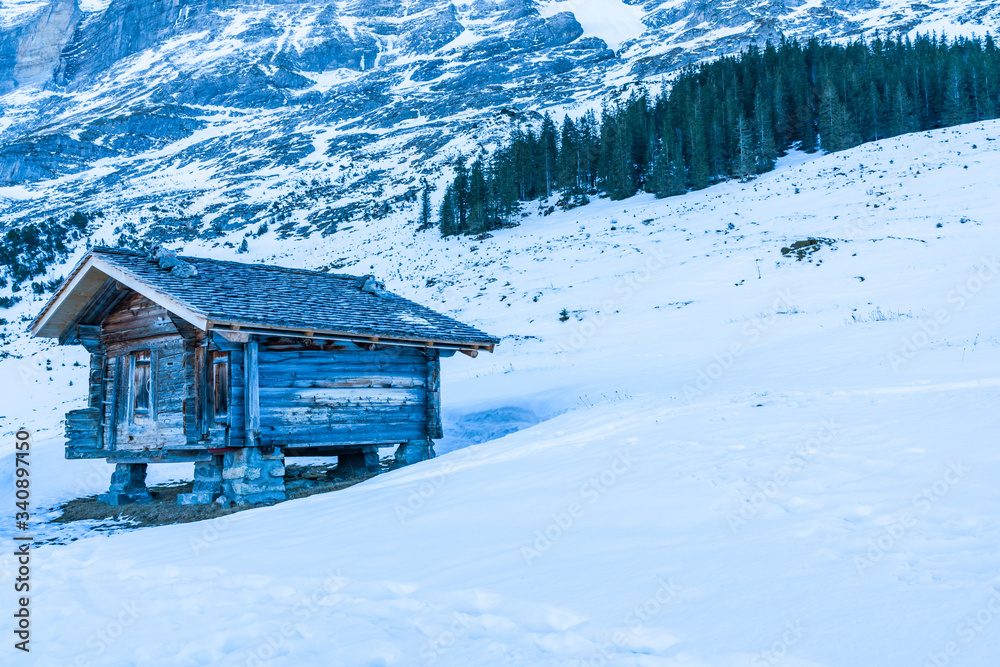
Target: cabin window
[
  {"x": 142, "y": 384},
  {"x": 220, "y": 385}
]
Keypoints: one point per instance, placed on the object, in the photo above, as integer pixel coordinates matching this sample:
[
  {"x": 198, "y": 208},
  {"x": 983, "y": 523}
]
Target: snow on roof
[{"x": 261, "y": 296}]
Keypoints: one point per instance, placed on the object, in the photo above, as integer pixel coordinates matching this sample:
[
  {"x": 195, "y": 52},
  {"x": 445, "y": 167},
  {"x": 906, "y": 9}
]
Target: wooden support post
[
  {"x": 116, "y": 392},
  {"x": 434, "y": 427},
  {"x": 205, "y": 397},
  {"x": 96, "y": 380},
  {"x": 129, "y": 392},
  {"x": 251, "y": 393},
  {"x": 97, "y": 393},
  {"x": 154, "y": 391}
]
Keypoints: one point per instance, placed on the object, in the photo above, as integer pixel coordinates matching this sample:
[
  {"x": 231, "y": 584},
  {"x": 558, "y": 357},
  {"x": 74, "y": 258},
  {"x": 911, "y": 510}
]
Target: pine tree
[
  {"x": 698, "y": 152},
  {"x": 765, "y": 152},
  {"x": 460, "y": 193},
  {"x": 548, "y": 154},
  {"x": 424, "y": 218},
  {"x": 746, "y": 165},
  {"x": 446, "y": 218},
  {"x": 733, "y": 117},
  {"x": 836, "y": 127},
  {"x": 667, "y": 175},
  {"x": 570, "y": 158},
  {"x": 477, "y": 222},
  {"x": 903, "y": 117},
  {"x": 956, "y": 108},
  {"x": 620, "y": 183}
]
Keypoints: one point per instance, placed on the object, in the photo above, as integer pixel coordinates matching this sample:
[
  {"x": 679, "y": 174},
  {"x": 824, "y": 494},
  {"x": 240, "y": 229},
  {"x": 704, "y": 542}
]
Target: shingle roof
[{"x": 273, "y": 296}]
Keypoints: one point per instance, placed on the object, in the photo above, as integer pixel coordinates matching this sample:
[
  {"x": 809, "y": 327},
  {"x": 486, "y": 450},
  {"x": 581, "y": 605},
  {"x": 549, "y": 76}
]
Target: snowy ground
[{"x": 713, "y": 468}]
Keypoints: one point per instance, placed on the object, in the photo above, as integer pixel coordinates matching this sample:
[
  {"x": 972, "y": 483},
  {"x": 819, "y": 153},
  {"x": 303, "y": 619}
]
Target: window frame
[
  {"x": 146, "y": 413},
  {"x": 220, "y": 362}
]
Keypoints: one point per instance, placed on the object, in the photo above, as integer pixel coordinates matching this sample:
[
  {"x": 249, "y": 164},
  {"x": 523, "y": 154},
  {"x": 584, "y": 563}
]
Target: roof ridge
[{"x": 266, "y": 267}]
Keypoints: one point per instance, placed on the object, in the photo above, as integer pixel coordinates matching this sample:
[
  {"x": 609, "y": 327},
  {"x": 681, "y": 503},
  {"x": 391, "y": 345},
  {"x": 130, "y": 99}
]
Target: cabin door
[{"x": 146, "y": 389}]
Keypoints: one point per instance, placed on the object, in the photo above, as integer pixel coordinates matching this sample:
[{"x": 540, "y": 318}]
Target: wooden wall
[
  {"x": 341, "y": 395},
  {"x": 311, "y": 394},
  {"x": 237, "y": 400},
  {"x": 139, "y": 324}
]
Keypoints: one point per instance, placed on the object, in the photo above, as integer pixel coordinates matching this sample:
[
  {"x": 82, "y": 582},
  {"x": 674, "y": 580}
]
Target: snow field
[{"x": 712, "y": 468}]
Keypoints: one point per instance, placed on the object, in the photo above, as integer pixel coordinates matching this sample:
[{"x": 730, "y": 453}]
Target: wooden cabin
[{"x": 236, "y": 366}]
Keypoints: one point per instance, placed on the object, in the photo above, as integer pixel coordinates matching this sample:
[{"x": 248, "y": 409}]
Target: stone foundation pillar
[
  {"x": 207, "y": 483},
  {"x": 128, "y": 485},
  {"x": 413, "y": 451},
  {"x": 250, "y": 476},
  {"x": 356, "y": 462}
]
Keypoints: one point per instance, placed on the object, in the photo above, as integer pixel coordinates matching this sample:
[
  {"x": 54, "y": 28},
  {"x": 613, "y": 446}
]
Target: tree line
[{"x": 730, "y": 118}]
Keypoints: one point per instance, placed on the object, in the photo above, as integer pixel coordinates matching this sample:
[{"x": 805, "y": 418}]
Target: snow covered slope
[{"x": 730, "y": 455}]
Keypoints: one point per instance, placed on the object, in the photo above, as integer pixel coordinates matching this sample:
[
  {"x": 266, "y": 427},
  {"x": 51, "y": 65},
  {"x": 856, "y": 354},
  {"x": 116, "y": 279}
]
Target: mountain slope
[
  {"x": 226, "y": 114},
  {"x": 727, "y": 468}
]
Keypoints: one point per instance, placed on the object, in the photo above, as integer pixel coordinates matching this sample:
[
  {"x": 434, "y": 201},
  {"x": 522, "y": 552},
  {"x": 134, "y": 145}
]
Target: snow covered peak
[{"x": 220, "y": 111}]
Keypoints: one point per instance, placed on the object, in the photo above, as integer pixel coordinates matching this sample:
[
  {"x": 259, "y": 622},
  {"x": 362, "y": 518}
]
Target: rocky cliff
[
  {"x": 30, "y": 50},
  {"x": 204, "y": 117}
]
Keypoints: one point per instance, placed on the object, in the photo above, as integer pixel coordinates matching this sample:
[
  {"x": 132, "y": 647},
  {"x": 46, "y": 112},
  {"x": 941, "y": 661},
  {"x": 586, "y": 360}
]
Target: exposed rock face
[
  {"x": 30, "y": 51},
  {"x": 37, "y": 157},
  {"x": 308, "y": 115}
]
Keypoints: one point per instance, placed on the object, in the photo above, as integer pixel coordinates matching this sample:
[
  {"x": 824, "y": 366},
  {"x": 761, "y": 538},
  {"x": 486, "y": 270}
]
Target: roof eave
[
  {"x": 303, "y": 332},
  {"x": 89, "y": 274}
]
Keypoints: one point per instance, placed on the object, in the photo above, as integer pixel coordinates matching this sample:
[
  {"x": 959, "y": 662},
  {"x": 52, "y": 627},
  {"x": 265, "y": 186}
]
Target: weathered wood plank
[
  {"x": 96, "y": 382},
  {"x": 136, "y": 317},
  {"x": 116, "y": 401},
  {"x": 252, "y": 393},
  {"x": 359, "y": 378},
  {"x": 341, "y": 397},
  {"x": 201, "y": 390},
  {"x": 342, "y": 436},
  {"x": 433, "y": 399},
  {"x": 161, "y": 456},
  {"x": 189, "y": 332},
  {"x": 303, "y": 418},
  {"x": 382, "y": 381},
  {"x": 104, "y": 302},
  {"x": 351, "y": 355},
  {"x": 124, "y": 347},
  {"x": 74, "y": 454},
  {"x": 305, "y": 369},
  {"x": 354, "y": 356},
  {"x": 190, "y": 402}
]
